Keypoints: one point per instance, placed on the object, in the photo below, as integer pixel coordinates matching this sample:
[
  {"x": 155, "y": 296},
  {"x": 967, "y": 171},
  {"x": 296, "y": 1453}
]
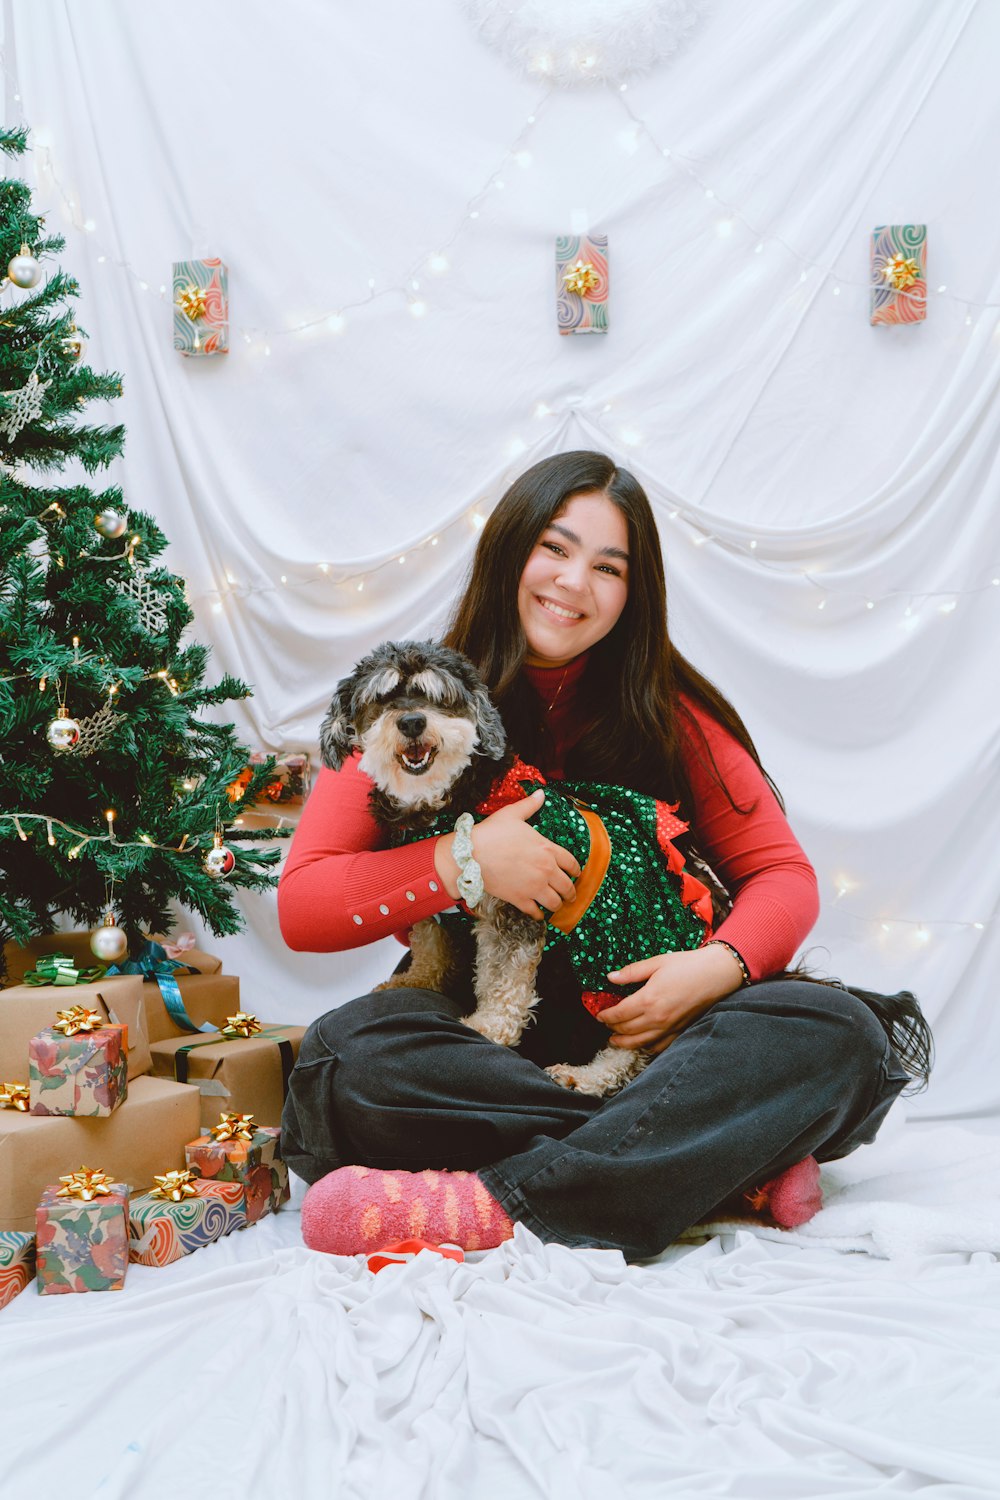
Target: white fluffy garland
[{"x": 577, "y": 41}]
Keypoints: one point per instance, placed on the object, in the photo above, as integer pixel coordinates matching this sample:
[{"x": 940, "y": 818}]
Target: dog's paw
[
  {"x": 494, "y": 1029},
  {"x": 577, "y": 1077}
]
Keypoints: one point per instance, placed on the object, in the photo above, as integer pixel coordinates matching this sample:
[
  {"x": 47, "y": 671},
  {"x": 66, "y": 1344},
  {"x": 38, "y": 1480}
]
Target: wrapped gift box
[
  {"x": 254, "y": 1163},
  {"x": 582, "y": 283},
  {"x": 82, "y": 1247},
  {"x": 82, "y": 1075},
  {"x": 26, "y": 1009},
  {"x": 290, "y": 784},
  {"x": 17, "y": 1263},
  {"x": 201, "y": 307},
  {"x": 146, "y": 1136},
  {"x": 248, "y": 1075},
  {"x": 161, "y": 1231},
  {"x": 899, "y": 273}
]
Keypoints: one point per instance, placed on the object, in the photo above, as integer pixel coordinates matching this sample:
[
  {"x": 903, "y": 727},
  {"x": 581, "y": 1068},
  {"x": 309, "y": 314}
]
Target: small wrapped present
[
  {"x": 899, "y": 273},
  {"x": 201, "y": 307},
  {"x": 81, "y": 1228},
  {"x": 25, "y": 1008},
  {"x": 81, "y": 1071},
  {"x": 247, "y": 1074},
  {"x": 145, "y": 1136},
  {"x": 17, "y": 1263},
  {"x": 582, "y": 283},
  {"x": 290, "y": 783},
  {"x": 182, "y": 1213},
  {"x": 239, "y": 1150}
]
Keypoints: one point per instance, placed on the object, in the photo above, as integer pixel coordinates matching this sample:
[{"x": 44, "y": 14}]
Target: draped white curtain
[{"x": 386, "y": 191}]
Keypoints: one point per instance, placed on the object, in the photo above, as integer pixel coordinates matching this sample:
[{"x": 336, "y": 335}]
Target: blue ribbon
[{"x": 153, "y": 963}]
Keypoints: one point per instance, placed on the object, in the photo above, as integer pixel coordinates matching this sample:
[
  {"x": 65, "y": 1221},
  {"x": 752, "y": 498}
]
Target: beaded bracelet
[
  {"x": 470, "y": 877},
  {"x": 721, "y": 943}
]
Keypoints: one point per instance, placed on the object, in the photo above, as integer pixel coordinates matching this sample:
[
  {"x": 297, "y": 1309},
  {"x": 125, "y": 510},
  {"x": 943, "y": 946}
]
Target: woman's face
[{"x": 575, "y": 583}]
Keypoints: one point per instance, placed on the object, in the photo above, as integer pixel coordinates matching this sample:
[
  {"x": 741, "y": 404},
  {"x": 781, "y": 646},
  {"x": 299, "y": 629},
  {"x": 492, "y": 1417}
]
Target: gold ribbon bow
[
  {"x": 901, "y": 272},
  {"x": 581, "y": 278},
  {"x": 86, "y": 1184},
  {"x": 15, "y": 1096},
  {"x": 78, "y": 1018},
  {"x": 244, "y": 1023},
  {"x": 174, "y": 1186},
  {"x": 234, "y": 1127},
  {"x": 192, "y": 301}
]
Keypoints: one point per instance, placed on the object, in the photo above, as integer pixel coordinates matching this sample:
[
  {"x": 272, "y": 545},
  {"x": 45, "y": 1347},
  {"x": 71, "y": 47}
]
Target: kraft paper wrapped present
[
  {"x": 247, "y": 1075},
  {"x": 254, "y": 1162},
  {"x": 146, "y": 1136},
  {"x": 17, "y": 1263},
  {"x": 80, "y": 1075},
  {"x": 82, "y": 1246},
  {"x": 161, "y": 1231},
  {"x": 291, "y": 781},
  {"x": 899, "y": 273},
  {"x": 26, "y": 1009},
  {"x": 201, "y": 307},
  {"x": 582, "y": 283}
]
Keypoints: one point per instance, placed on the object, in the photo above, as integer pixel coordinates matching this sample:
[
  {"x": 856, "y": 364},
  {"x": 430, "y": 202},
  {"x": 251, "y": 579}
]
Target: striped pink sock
[{"x": 358, "y": 1209}]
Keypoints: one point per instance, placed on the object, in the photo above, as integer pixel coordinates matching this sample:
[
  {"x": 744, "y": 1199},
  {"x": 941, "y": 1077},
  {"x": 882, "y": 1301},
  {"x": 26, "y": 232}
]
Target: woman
[{"x": 753, "y": 1079}]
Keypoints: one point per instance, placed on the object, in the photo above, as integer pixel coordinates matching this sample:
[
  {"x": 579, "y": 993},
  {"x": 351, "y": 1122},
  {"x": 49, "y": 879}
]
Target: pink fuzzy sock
[
  {"x": 358, "y": 1209},
  {"x": 793, "y": 1197}
]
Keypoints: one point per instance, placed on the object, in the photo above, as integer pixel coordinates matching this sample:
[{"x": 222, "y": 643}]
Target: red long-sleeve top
[{"x": 343, "y": 887}]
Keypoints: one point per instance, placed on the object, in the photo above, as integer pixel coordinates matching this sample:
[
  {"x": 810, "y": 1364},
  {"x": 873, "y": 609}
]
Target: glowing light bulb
[
  {"x": 335, "y": 323},
  {"x": 417, "y": 309},
  {"x": 438, "y": 264}
]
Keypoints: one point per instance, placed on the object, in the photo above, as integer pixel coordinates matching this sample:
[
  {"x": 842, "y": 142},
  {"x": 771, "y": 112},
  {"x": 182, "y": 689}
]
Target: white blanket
[{"x": 754, "y": 1364}]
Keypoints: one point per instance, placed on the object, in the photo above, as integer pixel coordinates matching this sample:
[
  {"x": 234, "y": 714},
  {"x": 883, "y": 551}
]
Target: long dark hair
[{"x": 635, "y": 675}]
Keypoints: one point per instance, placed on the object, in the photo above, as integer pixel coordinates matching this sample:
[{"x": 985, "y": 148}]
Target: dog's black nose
[{"x": 412, "y": 725}]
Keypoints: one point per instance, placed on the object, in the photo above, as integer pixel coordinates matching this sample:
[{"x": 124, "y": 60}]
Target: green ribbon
[
  {"x": 59, "y": 968},
  {"x": 284, "y": 1048}
]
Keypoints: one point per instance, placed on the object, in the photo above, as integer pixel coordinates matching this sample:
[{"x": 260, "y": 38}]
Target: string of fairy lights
[{"x": 413, "y": 287}]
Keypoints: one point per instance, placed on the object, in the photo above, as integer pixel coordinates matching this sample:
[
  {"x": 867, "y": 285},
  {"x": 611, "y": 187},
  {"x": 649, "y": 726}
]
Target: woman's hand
[
  {"x": 519, "y": 864},
  {"x": 679, "y": 988}
]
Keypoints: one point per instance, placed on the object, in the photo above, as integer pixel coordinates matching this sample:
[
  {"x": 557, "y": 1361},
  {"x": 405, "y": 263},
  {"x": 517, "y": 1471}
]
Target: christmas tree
[{"x": 114, "y": 790}]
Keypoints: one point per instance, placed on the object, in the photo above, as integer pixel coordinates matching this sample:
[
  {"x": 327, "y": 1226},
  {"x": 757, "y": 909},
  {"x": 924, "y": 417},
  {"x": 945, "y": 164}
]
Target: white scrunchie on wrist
[{"x": 470, "y": 877}]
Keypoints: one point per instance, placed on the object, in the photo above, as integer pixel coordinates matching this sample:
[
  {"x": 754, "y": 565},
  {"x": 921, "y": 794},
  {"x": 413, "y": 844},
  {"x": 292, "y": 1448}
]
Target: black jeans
[{"x": 773, "y": 1073}]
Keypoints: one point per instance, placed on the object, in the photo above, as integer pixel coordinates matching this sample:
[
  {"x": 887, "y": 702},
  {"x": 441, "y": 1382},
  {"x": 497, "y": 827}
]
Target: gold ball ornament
[
  {"x": 107, "y": 942},
  {"x": 23, "y": 269},
  {"x": 111, "y": 524},
  {"x": 63, "y": 733},
  {"x": 74, "y": 344},
  {"x": 219, "y": 861}
]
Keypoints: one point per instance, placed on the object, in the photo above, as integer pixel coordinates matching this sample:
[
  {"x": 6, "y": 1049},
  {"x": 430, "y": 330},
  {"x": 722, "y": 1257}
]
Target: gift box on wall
[
  {"x": 254, "y": 1162},
  {"x": 26, "y": 1009},
  {"x": 161, "y": 1231},
  {"x": 82, "y": 1075},
  {"x": 899, "y": 273},
  {"x": 146, "y": 1136},
  {"x": 247, "y": 1075},
  {"x": 17, "y": 1263},
  {"x": 201, "y": 307},
  {"x": 82, "y": 1246},
  {"x": 582, "y": 283}
]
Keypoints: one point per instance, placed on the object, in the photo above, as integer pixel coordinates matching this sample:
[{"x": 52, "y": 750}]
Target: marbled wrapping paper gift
[
  {"x": 908, "y": 304},
  {"x": 161, "y": 1231},
  {"x": 587, "y": 313},
  {"x": 209, "y": 333},
  {"x": 86, "y": 1074},
  {"x": 256, "y": 1164},
  {"x": 17, "y": 1263},
  {"x": 82, "y": 1247}
]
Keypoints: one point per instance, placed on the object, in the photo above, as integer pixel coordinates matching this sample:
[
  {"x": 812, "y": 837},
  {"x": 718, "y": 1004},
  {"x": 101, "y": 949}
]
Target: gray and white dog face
[{"x": 419, "y": 713}]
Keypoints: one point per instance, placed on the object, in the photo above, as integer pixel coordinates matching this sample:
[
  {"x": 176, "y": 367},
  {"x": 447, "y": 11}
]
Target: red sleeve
[
  {"x": 341, "y": 886},
  {"x": 755, "y": 854}
]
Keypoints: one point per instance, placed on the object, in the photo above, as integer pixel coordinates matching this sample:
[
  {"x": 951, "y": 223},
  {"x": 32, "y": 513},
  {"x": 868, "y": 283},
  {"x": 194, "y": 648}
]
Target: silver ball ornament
[
  {"x": 23, "y": 269},
  {"x": 74, "y": 344},
  {"x": 220, "y": 861},
  {"x": 108, "y": 943},
  {"x": 63, "y": 733},
  {"x": 111, "y": 524}
]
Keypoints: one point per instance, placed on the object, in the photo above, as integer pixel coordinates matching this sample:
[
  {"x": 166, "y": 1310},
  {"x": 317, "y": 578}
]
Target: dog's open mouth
[{"x": 416, "y": 757}]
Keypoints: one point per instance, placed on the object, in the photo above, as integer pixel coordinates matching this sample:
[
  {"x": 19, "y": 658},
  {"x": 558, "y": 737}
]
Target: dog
[{"x": 434, "y": 746}]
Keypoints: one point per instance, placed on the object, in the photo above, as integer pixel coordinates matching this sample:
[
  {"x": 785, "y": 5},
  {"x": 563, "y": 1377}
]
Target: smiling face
[{"x": 575, "y": 583}]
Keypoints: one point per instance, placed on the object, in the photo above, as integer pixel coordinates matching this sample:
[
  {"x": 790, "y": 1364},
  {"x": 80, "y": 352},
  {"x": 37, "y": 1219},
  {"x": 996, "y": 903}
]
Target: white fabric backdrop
[{"x": 796, "y": 457}]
